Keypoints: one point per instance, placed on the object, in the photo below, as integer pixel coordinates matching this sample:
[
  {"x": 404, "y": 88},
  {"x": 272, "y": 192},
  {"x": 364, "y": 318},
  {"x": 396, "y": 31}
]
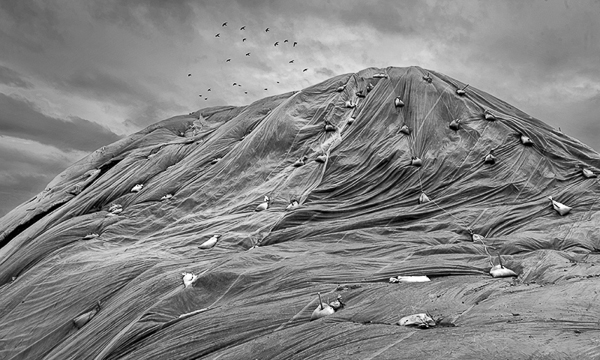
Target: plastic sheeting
[{"x": 358, "y": 223}]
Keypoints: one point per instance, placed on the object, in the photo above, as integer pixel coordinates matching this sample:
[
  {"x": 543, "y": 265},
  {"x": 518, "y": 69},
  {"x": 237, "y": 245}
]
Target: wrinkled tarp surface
[{"x": 358, "y": 224}]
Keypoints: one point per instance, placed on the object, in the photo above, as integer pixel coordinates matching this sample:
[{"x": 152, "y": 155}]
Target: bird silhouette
[
  {"x": 295, "y": 43},
  {"x": 208, "y": 89},
  {"x": 224, "y": 24},
  {"x": 267, "y": 30},
  {"x": 234, "y": 84},
  {"x": 276, "y": 43},
  {"x": 243, "y": 28},
  {"x": 286, "y": 40},
  {"x": 189, "y": 74},
  {"x": 205, "y": 99},
  {"x": 266, "y": 89},
  {"x": 291, "y": 61},
  {"x": 239, "y": 84},
  {"x": 278, "y": 82},
  {"x": 218, "y": 35},
  {"x": 228, "y": 60},
  {"x": 304, "y": 70},
  {"x": 245, "y": 92},
  {"x": 247, "y": 54},
  {"x": 244, "y": 39},
  {"x": 200, "y": 95}
]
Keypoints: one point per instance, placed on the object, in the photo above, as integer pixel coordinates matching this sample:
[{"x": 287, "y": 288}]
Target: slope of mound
[{"x": 93, "y": 270}]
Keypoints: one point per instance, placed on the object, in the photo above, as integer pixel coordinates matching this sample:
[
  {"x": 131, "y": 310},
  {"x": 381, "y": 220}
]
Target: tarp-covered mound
[{"x": 93, "y": 270}]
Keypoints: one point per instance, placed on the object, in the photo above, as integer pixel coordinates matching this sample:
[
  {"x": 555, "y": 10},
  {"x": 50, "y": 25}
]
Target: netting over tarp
[{"x": 358, "y": 223}]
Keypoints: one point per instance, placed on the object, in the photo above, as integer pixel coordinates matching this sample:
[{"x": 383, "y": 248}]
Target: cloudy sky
[{"x": 76, "y": 75}]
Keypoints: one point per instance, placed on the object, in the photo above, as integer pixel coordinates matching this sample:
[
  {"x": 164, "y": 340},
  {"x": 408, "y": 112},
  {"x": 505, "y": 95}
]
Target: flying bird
[
  {"x": 234, "y": 84},
  {"x": 291, "y": 61},
  {"x": 200, "y": 95},
  {"x": 205, "y": 98},
  {"x": 218, "y": 35},
  {"x": 304, "y": 70},
  {"x": 243, "y": 28},
  {"x": 286, "y": 40},
  {"x": 266, "y": 89},
  {"x": 245, "y": 92},
  {"x": 276, "y": 43},
  {"x": 224, "y": 24},
  {"x": 208, "y": 89},
  {"x": 244, "y": 39},
  {"x": 189, "y": 74},
  {"x": 295, "y": 43},
  {"x": 228, "y": 60},
  {"x": 247, "y": 54},
  {"x": 267, "y": 30}
]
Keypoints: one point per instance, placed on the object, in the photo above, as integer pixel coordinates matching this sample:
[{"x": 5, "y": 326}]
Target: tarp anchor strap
[
  {"x": 577, "y": 223},
  {"x": 488, "y": 253},
  {"x": 290, "y": 149},
  {"x": 527, "y": 182},
  {"x": 430, "y": 110},
  {"x": 395, "y": 263},
  {"x": 468, "y": 153},
  {"x": 439, "y": 207},
  {"x": 229, "y": 288},
  {"x": 390, "y": 345}
]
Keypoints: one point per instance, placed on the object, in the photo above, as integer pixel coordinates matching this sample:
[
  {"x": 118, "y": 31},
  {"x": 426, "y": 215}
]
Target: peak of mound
[{"x": 396, "y": 171}]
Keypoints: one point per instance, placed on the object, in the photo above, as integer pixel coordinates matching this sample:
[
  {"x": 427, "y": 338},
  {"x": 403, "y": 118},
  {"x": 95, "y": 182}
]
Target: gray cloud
[
  {"x": 168, "y": 16},
  {"x": 541, "y": 42},
  {"x": 99, "y": 85},
  {"x": 15, "y": 160},
  {"x": 32, "y": 23},
  {"x": 13, "y": 78},
  {"x": 20, "y": 118},
  {"x": 325, "y": 72},
  {"x": 151, "y": 113},
  {"x": 133, "y": 56},
  {"x": 144, "y": 106},
  {"x": 27, "y": 167},
  {"x": 28, "y": 174},
  {"x": 580, "y": 120},
  {"x": 410, "y": 18},
  {"x": 21, "y": 188},
  {"x": 121, "y": 68}
]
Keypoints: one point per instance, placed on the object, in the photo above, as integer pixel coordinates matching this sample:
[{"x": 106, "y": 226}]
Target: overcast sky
[{"x": 76, "y": 75}]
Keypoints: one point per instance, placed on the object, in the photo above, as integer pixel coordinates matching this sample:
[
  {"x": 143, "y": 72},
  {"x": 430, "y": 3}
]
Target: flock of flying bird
[{"x": 243, "y": 28}]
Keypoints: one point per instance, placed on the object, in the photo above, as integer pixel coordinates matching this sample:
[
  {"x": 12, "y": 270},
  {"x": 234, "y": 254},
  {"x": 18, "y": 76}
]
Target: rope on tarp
[{"x": 487, "y": 252}]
